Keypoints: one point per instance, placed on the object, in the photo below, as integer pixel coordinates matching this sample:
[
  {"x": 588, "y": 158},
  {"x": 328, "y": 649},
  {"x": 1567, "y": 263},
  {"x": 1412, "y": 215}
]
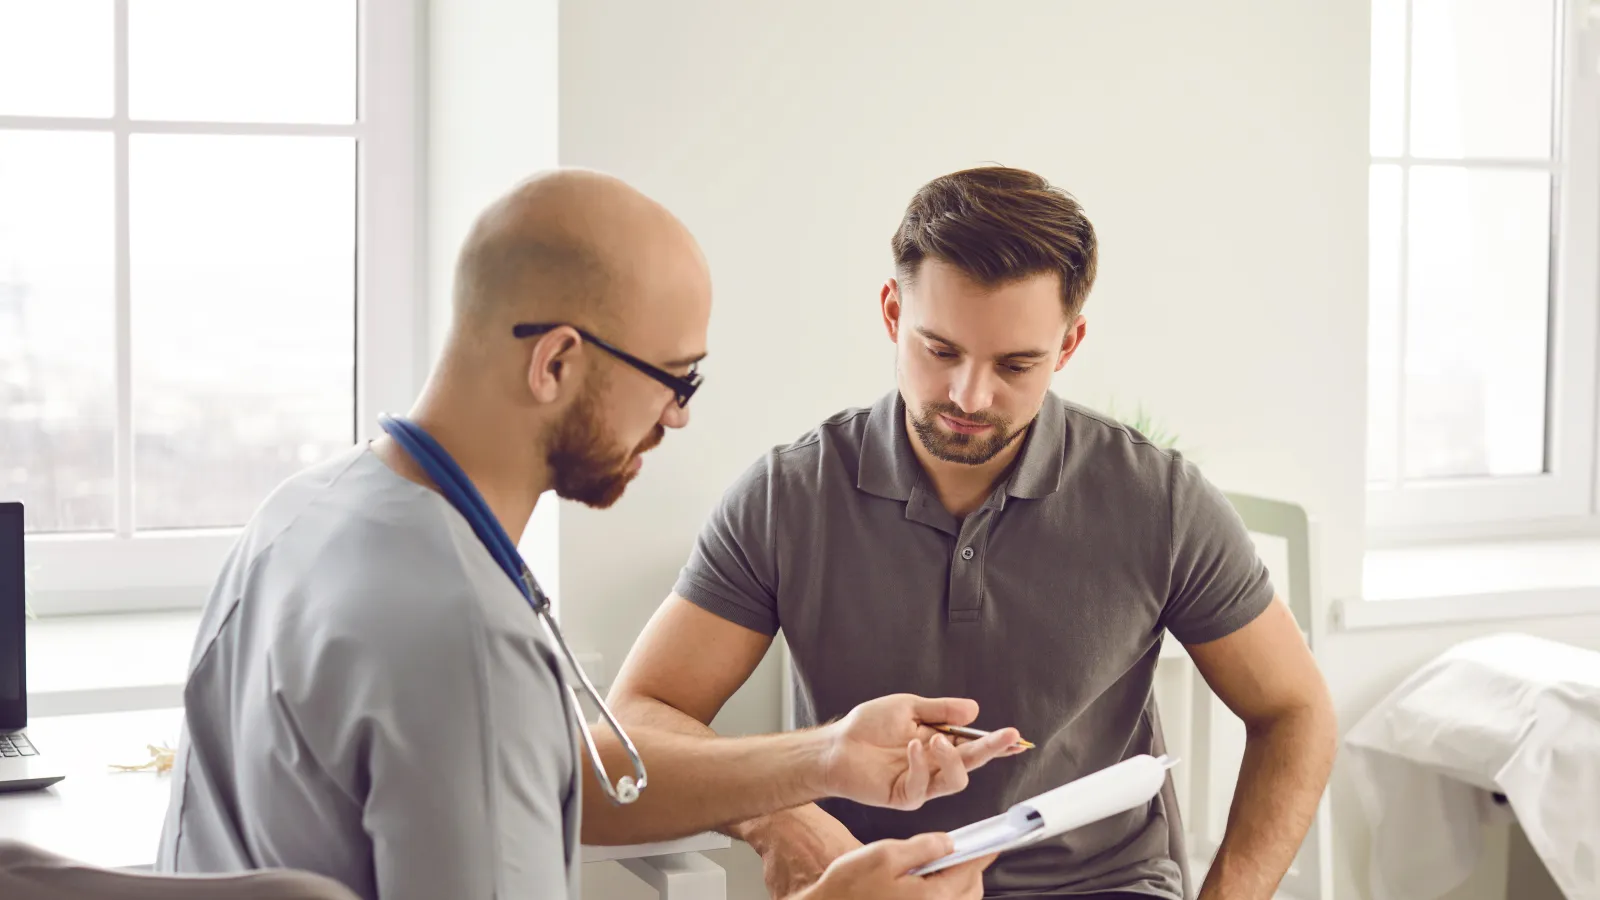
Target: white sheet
[
  {"x": 1111, "y": 790},
  {"x": 1511, "y": 714}
]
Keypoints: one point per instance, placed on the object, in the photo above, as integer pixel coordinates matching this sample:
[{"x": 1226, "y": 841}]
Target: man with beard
[
  {"x": 371, "y": 697},
  {"x": 974, "y": 534}
]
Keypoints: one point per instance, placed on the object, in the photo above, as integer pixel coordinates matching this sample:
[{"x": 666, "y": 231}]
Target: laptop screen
[{"x": 13, "y": 686}]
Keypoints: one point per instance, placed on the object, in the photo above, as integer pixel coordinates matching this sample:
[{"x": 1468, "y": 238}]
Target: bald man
[{"x": 370, "y": 696}]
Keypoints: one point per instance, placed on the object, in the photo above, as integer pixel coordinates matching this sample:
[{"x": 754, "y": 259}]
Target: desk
[{"x": 113, "y": 819}]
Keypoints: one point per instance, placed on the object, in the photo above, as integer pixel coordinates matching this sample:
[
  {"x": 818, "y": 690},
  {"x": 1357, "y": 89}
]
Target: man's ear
[
  {"x": 552, "y": 368},
  {"x": 1073, "y": 340},
  {"x": 889, "y": 301}
]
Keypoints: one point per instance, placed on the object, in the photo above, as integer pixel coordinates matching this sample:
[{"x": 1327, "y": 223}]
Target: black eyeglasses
[{"x": 684, "y": 387}]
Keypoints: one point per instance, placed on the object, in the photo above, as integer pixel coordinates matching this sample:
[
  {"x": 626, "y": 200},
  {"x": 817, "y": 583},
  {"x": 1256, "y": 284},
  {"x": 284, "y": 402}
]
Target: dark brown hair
[{"x": 998, "y": 224}]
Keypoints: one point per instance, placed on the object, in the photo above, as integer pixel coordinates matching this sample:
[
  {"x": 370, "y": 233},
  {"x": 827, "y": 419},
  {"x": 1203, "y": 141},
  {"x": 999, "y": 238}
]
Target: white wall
[
  {"x": 490, "y": 122},
  {"x": 1219, "y": 149}
]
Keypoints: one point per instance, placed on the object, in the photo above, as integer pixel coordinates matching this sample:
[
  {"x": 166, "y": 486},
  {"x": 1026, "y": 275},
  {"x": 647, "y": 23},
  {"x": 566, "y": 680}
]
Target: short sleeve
[
  {"x": 1217, "y": 582},
  {"x": 455, "y": 739},
  {"x": 732, "y": 571}
]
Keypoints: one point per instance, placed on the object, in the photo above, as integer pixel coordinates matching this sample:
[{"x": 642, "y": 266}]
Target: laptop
[{"x": 22, "y": 767}]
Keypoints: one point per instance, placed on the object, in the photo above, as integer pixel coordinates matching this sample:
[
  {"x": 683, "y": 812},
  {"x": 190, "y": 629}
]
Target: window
[
  {"x": 207, "y": 217},
  {"x": 1484, "y": 196}
]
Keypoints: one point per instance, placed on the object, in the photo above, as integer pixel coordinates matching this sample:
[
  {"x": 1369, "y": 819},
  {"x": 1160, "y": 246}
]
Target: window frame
[
  {"x": 1566, "y": 498},
  {"x": 128, "y": 571}
]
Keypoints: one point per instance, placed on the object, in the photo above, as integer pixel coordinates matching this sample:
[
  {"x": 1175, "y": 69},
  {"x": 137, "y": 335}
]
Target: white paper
[{"x": 1112, "y": 790}]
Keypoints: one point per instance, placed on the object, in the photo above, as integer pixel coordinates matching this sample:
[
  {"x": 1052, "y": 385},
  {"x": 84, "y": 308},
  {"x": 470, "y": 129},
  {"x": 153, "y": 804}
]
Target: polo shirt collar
[
  {"x": 890, "y": 469},
  {"x": 1043, "y": 457}
]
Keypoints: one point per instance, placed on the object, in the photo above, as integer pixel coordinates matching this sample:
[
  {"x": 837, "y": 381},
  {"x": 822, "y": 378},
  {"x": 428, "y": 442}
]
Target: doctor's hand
[
  {"x": 878, "y": 872},
  {"x": 884, "y": 754}
]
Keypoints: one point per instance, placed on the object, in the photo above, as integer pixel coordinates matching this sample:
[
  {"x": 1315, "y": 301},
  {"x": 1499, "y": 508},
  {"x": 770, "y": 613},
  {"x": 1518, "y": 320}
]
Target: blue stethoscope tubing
[{"x": 458, "y": 489}]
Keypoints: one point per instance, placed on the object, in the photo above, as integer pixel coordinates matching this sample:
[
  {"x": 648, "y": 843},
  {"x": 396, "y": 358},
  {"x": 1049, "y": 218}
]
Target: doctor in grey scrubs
[{"x": 372, "y": 698}]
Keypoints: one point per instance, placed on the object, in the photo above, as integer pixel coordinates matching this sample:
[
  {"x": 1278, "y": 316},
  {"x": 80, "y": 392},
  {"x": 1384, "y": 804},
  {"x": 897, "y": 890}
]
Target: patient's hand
[{"x": 797, "y": 845}]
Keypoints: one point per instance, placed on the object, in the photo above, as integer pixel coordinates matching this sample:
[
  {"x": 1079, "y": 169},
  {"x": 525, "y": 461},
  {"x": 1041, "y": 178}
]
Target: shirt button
[{"x": 966, "y": 553}]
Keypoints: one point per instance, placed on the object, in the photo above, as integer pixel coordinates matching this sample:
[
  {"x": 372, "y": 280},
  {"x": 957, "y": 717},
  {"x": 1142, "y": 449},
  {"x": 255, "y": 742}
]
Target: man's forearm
[
  {"x": 758, "y": 830},
  {"x": 698, "y": 781},
  {"x": 1285, "y": 769}
]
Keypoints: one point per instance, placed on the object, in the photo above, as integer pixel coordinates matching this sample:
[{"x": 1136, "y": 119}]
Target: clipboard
[{"x": 1127, "y": 785}]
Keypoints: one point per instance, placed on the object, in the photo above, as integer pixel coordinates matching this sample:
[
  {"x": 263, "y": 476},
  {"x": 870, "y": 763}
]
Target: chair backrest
[
  {"x": 1289, "y": 521},
  {"x": 28, "y": 873},
  {"x": 1311, "y": 875}
]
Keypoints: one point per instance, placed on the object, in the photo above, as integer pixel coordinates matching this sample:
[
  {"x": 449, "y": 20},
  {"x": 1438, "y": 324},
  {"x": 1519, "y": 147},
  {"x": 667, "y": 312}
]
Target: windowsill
[
  {"x": 134, "y": 661},
  {"x": 1476, "y": 582},
  {"x": 108, "y": 663},
  {"x": 130, "y": 661}
]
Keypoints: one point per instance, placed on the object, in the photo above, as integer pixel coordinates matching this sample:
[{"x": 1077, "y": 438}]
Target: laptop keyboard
[{"x": 16, "y": 744}]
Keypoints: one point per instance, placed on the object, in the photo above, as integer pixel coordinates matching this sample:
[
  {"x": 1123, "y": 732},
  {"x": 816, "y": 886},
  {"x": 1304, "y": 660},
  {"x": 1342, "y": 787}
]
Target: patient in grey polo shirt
[{"x": 972, "y": 534}]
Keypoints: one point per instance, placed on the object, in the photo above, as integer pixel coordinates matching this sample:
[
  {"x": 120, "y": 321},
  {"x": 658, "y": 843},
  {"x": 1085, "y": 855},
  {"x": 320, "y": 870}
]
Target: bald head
[
  {"x": 572, "y": 407},
  {"x": 572, "y": 246}
]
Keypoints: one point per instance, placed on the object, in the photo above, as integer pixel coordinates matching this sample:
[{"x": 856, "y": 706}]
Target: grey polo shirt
[{"x": 1047, "y": 605}]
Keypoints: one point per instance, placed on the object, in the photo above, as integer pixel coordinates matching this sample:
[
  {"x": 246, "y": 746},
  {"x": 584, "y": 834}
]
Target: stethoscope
[{"x": 458, "y": 489}]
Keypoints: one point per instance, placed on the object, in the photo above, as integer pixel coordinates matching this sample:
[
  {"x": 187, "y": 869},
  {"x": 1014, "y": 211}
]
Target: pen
[{"x": 973, "y": 734}]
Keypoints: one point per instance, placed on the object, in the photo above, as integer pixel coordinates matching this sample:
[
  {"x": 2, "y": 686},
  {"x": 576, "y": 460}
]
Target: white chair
[
  {"x": 28, "y": 873},
  {"x": 1311, "y": 876}
]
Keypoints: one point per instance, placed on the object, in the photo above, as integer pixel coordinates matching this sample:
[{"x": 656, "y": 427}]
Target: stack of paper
[{"x": 1119, "y": 788}]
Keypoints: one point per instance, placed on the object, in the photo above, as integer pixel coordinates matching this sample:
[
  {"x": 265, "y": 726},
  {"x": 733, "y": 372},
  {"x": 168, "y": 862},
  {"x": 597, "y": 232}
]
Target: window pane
[
  {"x": 57, "y": 398},
  {"x": 243, "y": 268},
  {"x": 1482, "y": 78},
  {"x": 278, "y": 61},
  {"x": 1383, "y": 322},
  {"x": 1477, "y": 322},
  {"x": 56, "y": 57},
  {"x": 1388, "y": 76}
]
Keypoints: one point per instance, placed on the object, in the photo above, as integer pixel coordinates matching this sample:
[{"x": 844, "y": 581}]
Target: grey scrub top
[{"x": 371, "y": 698}]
